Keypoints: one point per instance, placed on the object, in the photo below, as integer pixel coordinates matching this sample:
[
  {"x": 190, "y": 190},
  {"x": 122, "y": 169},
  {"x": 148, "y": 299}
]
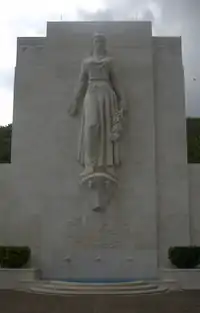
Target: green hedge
[
  {"x": 184, "y": 257},
  {"x": 5, "y": 143},
  {"x": 14, "y": 257},
  {"x": 193, "y": 140}
]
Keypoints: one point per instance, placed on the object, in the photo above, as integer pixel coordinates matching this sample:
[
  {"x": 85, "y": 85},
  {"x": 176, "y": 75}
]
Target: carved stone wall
[{"x": 149, "y": 210}]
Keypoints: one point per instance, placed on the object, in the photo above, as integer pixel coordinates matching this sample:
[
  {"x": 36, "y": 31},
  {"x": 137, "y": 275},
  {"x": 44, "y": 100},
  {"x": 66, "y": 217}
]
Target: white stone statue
[{"x": 102, "y": 112}]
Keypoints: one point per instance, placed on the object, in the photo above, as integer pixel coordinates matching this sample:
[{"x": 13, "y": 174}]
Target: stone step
[
  {"x": 64, "y": 284},
  {"x": 67, "y": 287},
  {"x": 56, "y": 287},
  {"x": 40, "y": 290},
  {"x": 72, "y": 283}
]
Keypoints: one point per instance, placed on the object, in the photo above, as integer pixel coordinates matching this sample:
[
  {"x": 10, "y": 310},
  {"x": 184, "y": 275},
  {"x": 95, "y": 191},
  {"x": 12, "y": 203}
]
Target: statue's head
[{"x": 99, "y": 43}]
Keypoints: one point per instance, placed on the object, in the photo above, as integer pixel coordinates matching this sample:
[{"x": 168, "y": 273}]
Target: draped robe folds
[{"x": 98, "y": 93}]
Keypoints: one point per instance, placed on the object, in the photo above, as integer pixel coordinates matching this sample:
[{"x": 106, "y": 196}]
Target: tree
[
  {"x": 193, "y": 140},
  {"x": 5, "y": 143}
]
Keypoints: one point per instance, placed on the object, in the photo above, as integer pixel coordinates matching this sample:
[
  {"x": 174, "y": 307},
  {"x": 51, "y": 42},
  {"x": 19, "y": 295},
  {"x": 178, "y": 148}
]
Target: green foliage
[
  {"x": 5, "y": 143},
  {"x": 14, "y": 257},
  {"x": 184, "y": 257},
  {"x": 193, "y": 140}
]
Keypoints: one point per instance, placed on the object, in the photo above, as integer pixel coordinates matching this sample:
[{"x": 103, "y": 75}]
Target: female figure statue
[{"x": 102, "y": 111}]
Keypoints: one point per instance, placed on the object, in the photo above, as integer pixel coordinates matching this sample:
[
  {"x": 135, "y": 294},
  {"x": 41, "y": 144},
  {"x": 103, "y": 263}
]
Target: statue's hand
[
  {"x": 123, "y": 107},
  {"x": 114, "y": 137},
  {"x": 72, "y": 111}
]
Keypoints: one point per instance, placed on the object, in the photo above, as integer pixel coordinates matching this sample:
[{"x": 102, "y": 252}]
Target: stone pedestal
[
  {"x": 102, "y": 186},
  {"x": 14, "y": 278}
]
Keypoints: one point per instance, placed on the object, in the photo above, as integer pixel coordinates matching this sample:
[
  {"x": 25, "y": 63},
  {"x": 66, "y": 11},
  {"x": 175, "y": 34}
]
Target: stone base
[
  {"x": 94, "y": 178},
  {"x": 102, "y": 186},
  {"x": 76, "y": 288},
  {"x": 187, "y": 279},
  {"x": 12, "y": 278}
]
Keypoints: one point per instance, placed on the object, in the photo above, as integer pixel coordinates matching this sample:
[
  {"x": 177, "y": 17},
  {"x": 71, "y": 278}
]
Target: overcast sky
[{"x": 169, "y": 17}]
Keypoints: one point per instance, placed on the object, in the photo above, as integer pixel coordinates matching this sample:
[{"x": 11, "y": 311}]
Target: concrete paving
[{"x": 174, "y": 302}]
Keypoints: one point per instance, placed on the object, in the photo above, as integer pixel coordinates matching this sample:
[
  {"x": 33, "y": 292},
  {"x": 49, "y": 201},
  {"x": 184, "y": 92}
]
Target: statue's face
[{"x": 99, "y": 43}]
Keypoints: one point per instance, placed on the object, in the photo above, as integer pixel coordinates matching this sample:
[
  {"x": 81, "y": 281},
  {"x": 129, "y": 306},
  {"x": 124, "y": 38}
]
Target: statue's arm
[{"x": 80, "y": 90}]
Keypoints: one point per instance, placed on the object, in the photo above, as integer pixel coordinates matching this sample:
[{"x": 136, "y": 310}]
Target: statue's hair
[
  {"x": 99, "y": 35},
  {"x": 103, "y": 37}
]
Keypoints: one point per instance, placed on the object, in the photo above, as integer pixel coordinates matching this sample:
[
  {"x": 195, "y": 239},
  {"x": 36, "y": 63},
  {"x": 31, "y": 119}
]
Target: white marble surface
[
  {"x": 171, "y": 148},
  {"x": 194, "y": 184},
  {"x": 47, "y": 209},
  {"x": 14, "y": 278},
  {"x": 44, "y": 156},
  {"x": 187, "y": 279}
]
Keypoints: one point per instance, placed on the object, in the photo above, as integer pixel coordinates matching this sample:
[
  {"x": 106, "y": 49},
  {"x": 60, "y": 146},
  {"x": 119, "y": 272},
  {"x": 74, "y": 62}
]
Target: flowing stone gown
[{"x": 100, "y": 96}]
